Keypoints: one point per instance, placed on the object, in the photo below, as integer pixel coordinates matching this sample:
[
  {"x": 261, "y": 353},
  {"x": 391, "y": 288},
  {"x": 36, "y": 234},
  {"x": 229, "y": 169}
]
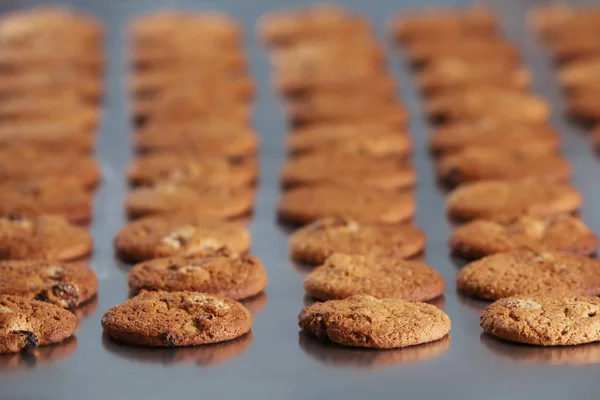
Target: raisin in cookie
[
  {"x": 364, "y": 321},
  {"x": 173, "y": 319}
]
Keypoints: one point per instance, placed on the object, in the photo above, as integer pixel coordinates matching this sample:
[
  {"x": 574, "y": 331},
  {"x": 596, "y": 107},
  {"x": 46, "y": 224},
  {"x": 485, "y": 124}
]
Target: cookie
[
  {"x": 50, "y": 137},
  {"x": 347, "y": 169},
  {"x": 167, "y": 198},
  {"x": 182, "y": 234},
  {"x": 217, "y": 271},
  {"x": 477, "y": 164},
  {"x": 575, "y": 47},
  {"x": 488, "y": 103},
  {"x": 538, "y": 139},
  {"x": 529, "y": 272},
  {"x": 564, "y": 234},
  {"x": 477, "y": 50},
  {"x": 364, "y": 321},
  {"x": 306, "y": 204},
  {"x": 15, "y": 85},
  {"x": 576, "y": 76},
  {"x": 314, "y": 243},
  {"x": 173, "y": 319},
  {"x": 504, "y": 200},
  {"x": 544, "y": 321},
  {"x": 557, "y": 18},
  {"x": 42, "y": 238},
  {"x": 26, "y": 324},
  {"x": 52, "y": 197},
  {"x": 229, "y": 142},
  {"x": 174, "y": 168},
  {"x": 377, "y": 85},
  {"x": 63, "y": 284},
  {"x": 383, "y": 143},
  {"x": 345, "y": 275},
  {"x": 583, "y": 105}
]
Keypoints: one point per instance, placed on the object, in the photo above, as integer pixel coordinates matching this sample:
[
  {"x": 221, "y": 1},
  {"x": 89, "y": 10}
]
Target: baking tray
[{"x": 277, "y": 361}]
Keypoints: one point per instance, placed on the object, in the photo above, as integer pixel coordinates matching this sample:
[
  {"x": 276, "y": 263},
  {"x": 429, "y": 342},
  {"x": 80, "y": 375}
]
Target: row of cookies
[
  {"x": 571, "y": 35},
  {"x": 50, "y": 80},
  {"x": 195, "y": 169},
  {"x": 348, "y": 180},
  {"x": 516, "y": 201}
]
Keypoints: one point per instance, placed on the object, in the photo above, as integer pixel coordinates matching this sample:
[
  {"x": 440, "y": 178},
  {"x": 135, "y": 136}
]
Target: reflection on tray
[
  {"x": 38, "y": 356},
  {"x": 302, "y": 269},
  {"x": 205, "y": 355},
  {"x": 563, "y": 355},
  {"x": 339, "y": 356},
  {"x": 86, "y": 309},
  {"x": 472, "y": 304},
  {"x": 256, "y": 303}
]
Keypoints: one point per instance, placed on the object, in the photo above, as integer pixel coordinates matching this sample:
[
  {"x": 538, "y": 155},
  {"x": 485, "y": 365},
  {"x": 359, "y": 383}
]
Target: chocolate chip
[{"x": 31, "y": 339}]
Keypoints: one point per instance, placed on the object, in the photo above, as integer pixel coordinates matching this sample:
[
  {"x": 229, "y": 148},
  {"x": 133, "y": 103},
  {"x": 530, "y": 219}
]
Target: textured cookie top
[
  {"x": 169, "y": 319},
  {"x": 545, "y": 321},
  {"x": 503, "y": 200},
  {"x": 304, "y": 205},
  {"x": 164, "y": 198},
  {"x": 65, "y": 285},
  {"x": 47, "y": 136},
  {"x": 345, "y": 275},
  {"x": 489, "y": 103},
  {"x": 562, "y": 233},
  {"x": 476, "y": 164},
  {"x": 536, "y": 138},
  {"x": 221, "y": 272},
  {"x": 347, "y": 169},
  {"x": 305, "y": 139},
  {"x": 26, "y": 324},
  {"x": 364, "y": 321},
  {"x": 527, "y": 272},
  {"x": 175, "y": 168},
  {"x": 180, "y": 234},
  {"x": 42, "y": 238},
  {"x": 319, "y": 240}
]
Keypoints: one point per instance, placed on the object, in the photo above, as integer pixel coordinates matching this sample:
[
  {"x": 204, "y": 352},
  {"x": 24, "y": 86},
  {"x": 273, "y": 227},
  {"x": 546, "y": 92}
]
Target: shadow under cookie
[{"x": 39, "y": 356}]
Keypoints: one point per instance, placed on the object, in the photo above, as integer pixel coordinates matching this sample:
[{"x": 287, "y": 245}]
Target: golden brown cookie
[
  {"x": 210, "y": 201},
  {"x": 564, "y": 234},
  {"x": 576, "y": 76},
  {"x": 173, "y": 319},
  {"x": 538, "y": 139},
  {"x": 575, "y": 47},
  {"x": 488, "y": 103},
  {"x": 349, "y": 169},
  {"x": 583, "y": 105},
  {"x": 529, "y": 272},
  {"x": 180, "y": 234},
  {"x": 477, "y": 164},
  {"x": 42, "y": 238},
  {"x": 377, "y": 85},
  {"x": 217, "y": 271},
  {"x": 544, "y": 321},
  {"x": 66, "y": 285},
  {"x": 175, "y": 168},
  {"x": 555, "y": 19},
  {"x": 306, "y": 204},
  {"x": 364, "y": 321},
  {"x": 26, "y": 324},
  {"x": 50, "y": 137},
  {"x": 314, "y": 243},
  {"x": 504, "y": 200},
  {"x": 345, "y": 275}
]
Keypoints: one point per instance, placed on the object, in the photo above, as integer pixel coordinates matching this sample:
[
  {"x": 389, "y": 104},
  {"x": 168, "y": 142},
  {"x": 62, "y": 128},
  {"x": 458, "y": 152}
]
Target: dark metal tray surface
[{"x": 276, "y": 361}]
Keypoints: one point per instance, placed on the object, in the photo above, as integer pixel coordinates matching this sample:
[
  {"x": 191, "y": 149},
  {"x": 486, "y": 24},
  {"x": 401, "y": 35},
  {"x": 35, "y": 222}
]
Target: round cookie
[
  {"x": 63, "y": 284},
  {"x": 307, "y": 204},
  {"x": 576, "y": 76},
  {"x": 528, "y": 272},
  {"x": 475, "y": 50},
  {"x": 167, "y": 198},
  {"x": 504, "y": 200},
  {"x": 26, "y": 324},
  {"x": 50, "y": 137},
  {"x": 345, "y": 275},
  {"x": 353, "y": 170},
  {"x": 538, "y": 139},
  {"x": 544, "y": 321},
  {"x": 379, "y": 86},
  {"x": 173, "y": 319},
  {"x": 583, "y": 105},
  {"x": 314, "y": 243},
  {"x": 42, "y": 238},
  {"x": 221, "y": 272},
  {"x": 564, "y": 234},
  {"x": 157, "y": 168},
  {"x": 488, "y": 103},
  {"x": 180, "y": 234},
  {"x": 364, "y": 321},
  {"x": 477, "y": 164}
]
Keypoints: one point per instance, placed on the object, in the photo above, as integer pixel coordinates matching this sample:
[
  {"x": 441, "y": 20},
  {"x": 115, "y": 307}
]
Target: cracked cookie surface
[
  {"x": 171, "y": 319},
  {"x": 364, "y": 321}
]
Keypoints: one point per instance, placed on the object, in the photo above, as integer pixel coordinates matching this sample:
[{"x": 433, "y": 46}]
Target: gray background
[{"x": 277, "y": 362}]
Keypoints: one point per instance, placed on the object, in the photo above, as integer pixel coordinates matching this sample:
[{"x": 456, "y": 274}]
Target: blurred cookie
[
  {"x": 314, "y": 243},
  {"x": 499, "y": 50},
  {"x": 49, "y": 137},
  {"x": 576, "y": 76},
  {"x": 583, "y": 105}
]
